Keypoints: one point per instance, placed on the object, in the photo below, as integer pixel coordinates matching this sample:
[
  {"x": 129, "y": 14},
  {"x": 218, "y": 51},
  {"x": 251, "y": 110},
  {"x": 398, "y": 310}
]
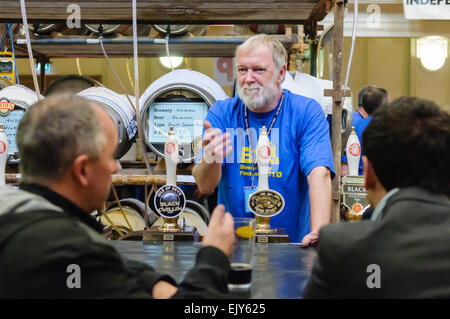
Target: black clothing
[
  {"x": 60, "y": 201},
  {"x": 42, "y": 235}
]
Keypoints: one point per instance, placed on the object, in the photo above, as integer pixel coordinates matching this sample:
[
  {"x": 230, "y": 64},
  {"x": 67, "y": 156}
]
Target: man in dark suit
[{"x": 404, "y": 250}]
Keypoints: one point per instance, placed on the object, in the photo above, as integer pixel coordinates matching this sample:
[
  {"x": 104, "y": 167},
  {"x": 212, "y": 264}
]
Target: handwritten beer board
[
  {"x": 186, "y": 118},
  {"x": 10, "y": 116}
]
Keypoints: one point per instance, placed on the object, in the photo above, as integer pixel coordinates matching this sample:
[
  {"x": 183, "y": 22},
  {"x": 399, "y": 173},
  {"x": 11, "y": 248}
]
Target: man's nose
[{"x": 249, "y": 76}]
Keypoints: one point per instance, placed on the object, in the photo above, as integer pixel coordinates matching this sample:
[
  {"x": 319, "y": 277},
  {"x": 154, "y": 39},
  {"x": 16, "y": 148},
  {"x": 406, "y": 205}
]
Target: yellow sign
[{"x": 7, "y": 67}]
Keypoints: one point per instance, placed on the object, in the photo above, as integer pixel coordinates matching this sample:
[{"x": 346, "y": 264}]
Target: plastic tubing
[
  {"x": 355, "y": 23},
  {"x": 30, "y": 52},
  {"x": 136, "y": 88},
  {"x": 14, "y": 54}
]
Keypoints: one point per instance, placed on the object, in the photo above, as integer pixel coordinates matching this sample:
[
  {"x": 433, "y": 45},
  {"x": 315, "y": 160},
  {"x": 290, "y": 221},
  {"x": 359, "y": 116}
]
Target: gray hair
[
  {"x": 279, "y": 53},
  {"x": 53, "y": 132}
]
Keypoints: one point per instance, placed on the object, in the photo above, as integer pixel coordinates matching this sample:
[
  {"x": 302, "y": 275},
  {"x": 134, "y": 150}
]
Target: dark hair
[
  {"x": 408, "y": 144},
  {"x": 360, "y": 95},
  {"x": 372, "y": 98},
  {"x": 53, "y": 132}
]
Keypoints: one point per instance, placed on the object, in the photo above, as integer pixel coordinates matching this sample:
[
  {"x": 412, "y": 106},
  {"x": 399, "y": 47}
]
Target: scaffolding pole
[{"x": 338, "y": 34}]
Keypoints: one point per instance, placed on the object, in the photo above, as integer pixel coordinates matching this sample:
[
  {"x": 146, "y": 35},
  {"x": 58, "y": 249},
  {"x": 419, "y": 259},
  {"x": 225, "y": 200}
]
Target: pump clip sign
[
  {"x": 427, "y": 9},
  {"x": 6, "y": 107}
]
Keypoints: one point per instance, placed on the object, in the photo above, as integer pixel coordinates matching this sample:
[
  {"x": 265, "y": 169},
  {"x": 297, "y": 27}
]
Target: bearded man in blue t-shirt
[{"x": 301, "y": 165}]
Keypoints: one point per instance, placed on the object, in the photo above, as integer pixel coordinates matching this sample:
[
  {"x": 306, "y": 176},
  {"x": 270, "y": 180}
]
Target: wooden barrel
[{"x": 72, "y": 83}]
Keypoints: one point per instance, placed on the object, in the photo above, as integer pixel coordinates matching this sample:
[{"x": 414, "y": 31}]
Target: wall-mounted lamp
[
  {"x": 48, "y": 67},
  {"x": 176, "y": 61},
  {"x": 432, "y": 52}
]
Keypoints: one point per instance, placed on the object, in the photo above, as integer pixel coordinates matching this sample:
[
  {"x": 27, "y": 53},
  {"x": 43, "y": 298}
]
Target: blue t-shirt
[
  {"x": 357, "y": 117},
  {"x": 300, "y": 141},
  {"x": 359, "y": 129}
]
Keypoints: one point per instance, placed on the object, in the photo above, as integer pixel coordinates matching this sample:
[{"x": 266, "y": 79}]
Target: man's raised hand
[{"x": 216, "y": 145}]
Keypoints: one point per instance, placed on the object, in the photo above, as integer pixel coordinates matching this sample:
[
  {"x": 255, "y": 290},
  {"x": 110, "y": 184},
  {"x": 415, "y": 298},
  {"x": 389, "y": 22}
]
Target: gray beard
[{"x": 259, "y": 98}]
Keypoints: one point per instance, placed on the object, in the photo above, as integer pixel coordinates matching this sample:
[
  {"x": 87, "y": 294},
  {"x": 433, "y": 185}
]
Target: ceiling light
[
  {"x": 432, "y": 52},
  {"x": 176, "y": 61}
]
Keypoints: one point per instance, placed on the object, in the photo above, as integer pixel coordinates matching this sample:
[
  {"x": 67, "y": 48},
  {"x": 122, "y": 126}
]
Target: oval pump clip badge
[
  {"x": 354, "y": 194},
  {"x": 264, "y": 202},
  {"x": 353, "y": 150},
  {"x": 3, "y": 154},
  {"x": 170, "y": 200}
]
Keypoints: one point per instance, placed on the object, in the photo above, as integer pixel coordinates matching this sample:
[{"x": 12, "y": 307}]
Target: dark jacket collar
[
  {"x": 421, "y": 194},
  {"x": 415, "y": 194},
  {"x": 60, "y": 201}
]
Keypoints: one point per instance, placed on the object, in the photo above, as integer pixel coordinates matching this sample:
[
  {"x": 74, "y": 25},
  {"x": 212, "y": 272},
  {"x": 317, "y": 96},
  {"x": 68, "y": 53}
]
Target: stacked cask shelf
[
  {"x": 88, "y": 47},
  {"x": 171, "y": 11},
  {"x": 298, "y": 12}
]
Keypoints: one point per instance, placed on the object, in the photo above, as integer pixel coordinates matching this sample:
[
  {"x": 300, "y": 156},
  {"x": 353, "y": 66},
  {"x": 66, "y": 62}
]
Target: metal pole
[
  {"x": 142, "y": 40},
  {"x": 338, "y": 34}
]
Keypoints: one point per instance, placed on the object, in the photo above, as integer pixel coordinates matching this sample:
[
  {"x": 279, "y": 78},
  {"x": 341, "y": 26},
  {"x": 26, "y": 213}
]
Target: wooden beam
[
  {"x": 170, "y": 11},
  {"x": 337, "y": 95},
  {"x": 123, "y": 177},
  {"x": 123, "y": 47},
  {"x": 336, "y": 126}
]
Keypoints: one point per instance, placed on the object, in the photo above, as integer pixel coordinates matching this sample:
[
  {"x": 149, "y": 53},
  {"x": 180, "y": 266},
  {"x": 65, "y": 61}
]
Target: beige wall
[
  {"x": 388, "y": 63},
  {"x": 385, "y": 62}
]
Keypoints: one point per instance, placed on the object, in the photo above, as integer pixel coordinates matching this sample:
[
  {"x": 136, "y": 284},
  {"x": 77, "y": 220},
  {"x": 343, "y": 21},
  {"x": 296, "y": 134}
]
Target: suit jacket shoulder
[
  {"x": 408, "y": 247},
  {"x": 338, "y": 245}
]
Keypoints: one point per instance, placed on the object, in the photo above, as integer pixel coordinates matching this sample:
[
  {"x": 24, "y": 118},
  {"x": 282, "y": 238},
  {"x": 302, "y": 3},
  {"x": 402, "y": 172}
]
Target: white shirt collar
[{"x": 377, "y": 212}]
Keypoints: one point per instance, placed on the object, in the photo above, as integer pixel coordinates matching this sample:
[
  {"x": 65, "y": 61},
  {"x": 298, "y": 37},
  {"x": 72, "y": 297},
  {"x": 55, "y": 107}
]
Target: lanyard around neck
[{"x": 280, "y": 102}]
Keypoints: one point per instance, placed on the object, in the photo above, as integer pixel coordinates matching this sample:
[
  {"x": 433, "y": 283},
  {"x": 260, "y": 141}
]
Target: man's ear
[
  {"x": 281, "y": 75},
  {"x": 80, "y": 170},
  {"x": 369, "y": 174}
]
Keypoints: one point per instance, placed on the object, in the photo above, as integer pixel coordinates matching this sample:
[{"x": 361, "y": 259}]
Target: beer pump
[
  {"x": 266, "y": 203},
  {"x": 353, "y": 190},
  {"x": 170, "y": 201},
  {"x": 3, "y": 154}
]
